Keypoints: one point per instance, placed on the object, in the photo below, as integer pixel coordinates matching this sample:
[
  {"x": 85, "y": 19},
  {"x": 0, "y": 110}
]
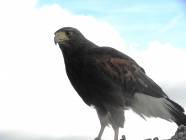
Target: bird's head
[{"x": 67, "y": 36}]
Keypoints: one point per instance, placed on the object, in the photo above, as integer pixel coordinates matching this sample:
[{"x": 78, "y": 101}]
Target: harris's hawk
[{"x": 112, "y": 82}]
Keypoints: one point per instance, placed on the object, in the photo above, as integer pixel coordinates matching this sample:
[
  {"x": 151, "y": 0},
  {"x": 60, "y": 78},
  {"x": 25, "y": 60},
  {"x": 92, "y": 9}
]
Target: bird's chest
[
  {"x": 92, "y": 85},
  {"x": 80, "y": 74},
  {"x": 85, "y": 79}
]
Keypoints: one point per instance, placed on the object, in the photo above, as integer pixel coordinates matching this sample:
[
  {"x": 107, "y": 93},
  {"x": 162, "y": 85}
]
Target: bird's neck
[
  {"x": 70, "y": 53},
  {"x": 66, "y": 50},
  {"x": 73, "y": 47}
]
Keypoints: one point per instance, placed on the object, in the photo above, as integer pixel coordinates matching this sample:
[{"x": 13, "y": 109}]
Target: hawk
[{"x": 112, "y": 82}]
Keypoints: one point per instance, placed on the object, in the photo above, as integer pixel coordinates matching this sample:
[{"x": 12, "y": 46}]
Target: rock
[
  {"x": 156, "y": 138},
  {"x": 180, "y": 133},
  {"x": 123, "y": 137}
]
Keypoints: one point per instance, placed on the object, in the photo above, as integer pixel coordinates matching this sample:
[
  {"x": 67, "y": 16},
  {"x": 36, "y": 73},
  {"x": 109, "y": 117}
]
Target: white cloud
[
  {"x": 35, "y": 95},
  {"x": 165, "y": 64}
]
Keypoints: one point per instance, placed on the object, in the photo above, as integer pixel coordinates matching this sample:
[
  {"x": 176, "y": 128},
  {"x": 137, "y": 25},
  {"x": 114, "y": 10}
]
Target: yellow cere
[{"x": 60, "y": 37}]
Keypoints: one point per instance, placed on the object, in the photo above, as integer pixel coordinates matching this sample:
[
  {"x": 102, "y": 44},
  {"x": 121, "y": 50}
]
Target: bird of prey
[{"x": 112, "y": 82}]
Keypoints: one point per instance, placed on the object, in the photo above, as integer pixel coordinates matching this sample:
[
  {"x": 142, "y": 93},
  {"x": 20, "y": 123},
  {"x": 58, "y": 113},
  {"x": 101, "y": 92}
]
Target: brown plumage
[{"x": 112, "y": 82}]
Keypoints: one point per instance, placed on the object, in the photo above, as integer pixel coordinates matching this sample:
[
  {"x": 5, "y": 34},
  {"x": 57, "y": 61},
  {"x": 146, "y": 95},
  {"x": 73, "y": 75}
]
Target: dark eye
[{"x": 68, "y": 33}]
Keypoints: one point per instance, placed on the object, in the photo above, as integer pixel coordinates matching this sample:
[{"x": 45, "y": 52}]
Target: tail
[
  {"x": 177, "y": 112},
  {"x": 165, "y": 108}
]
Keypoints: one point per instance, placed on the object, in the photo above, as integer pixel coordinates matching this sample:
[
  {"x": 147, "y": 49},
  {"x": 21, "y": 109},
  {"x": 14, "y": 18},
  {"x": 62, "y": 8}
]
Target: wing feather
[{"x": 129, "y": 74}]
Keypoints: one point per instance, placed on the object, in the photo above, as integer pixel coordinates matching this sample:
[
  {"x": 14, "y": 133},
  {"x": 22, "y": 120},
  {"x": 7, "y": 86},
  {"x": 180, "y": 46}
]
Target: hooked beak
[
  {"x": 55, "y": 40},
  {"x": 60, "y": 37}
]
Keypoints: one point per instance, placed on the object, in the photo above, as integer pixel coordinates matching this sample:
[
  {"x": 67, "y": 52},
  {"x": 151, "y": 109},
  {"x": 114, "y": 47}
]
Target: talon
[{"x": 97, "y": 139}]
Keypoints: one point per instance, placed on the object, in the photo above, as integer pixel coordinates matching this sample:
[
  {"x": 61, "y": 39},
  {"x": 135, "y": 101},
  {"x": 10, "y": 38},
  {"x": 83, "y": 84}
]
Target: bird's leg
[
  {"x": 100, "y": 132},
  {"x": 116, "y": 133},
  {"x": 104, "y": 119}
]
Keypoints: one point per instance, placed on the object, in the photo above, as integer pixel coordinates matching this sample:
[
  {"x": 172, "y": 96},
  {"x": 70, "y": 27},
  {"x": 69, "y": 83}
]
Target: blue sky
[{"x": 137, "y": 21}]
